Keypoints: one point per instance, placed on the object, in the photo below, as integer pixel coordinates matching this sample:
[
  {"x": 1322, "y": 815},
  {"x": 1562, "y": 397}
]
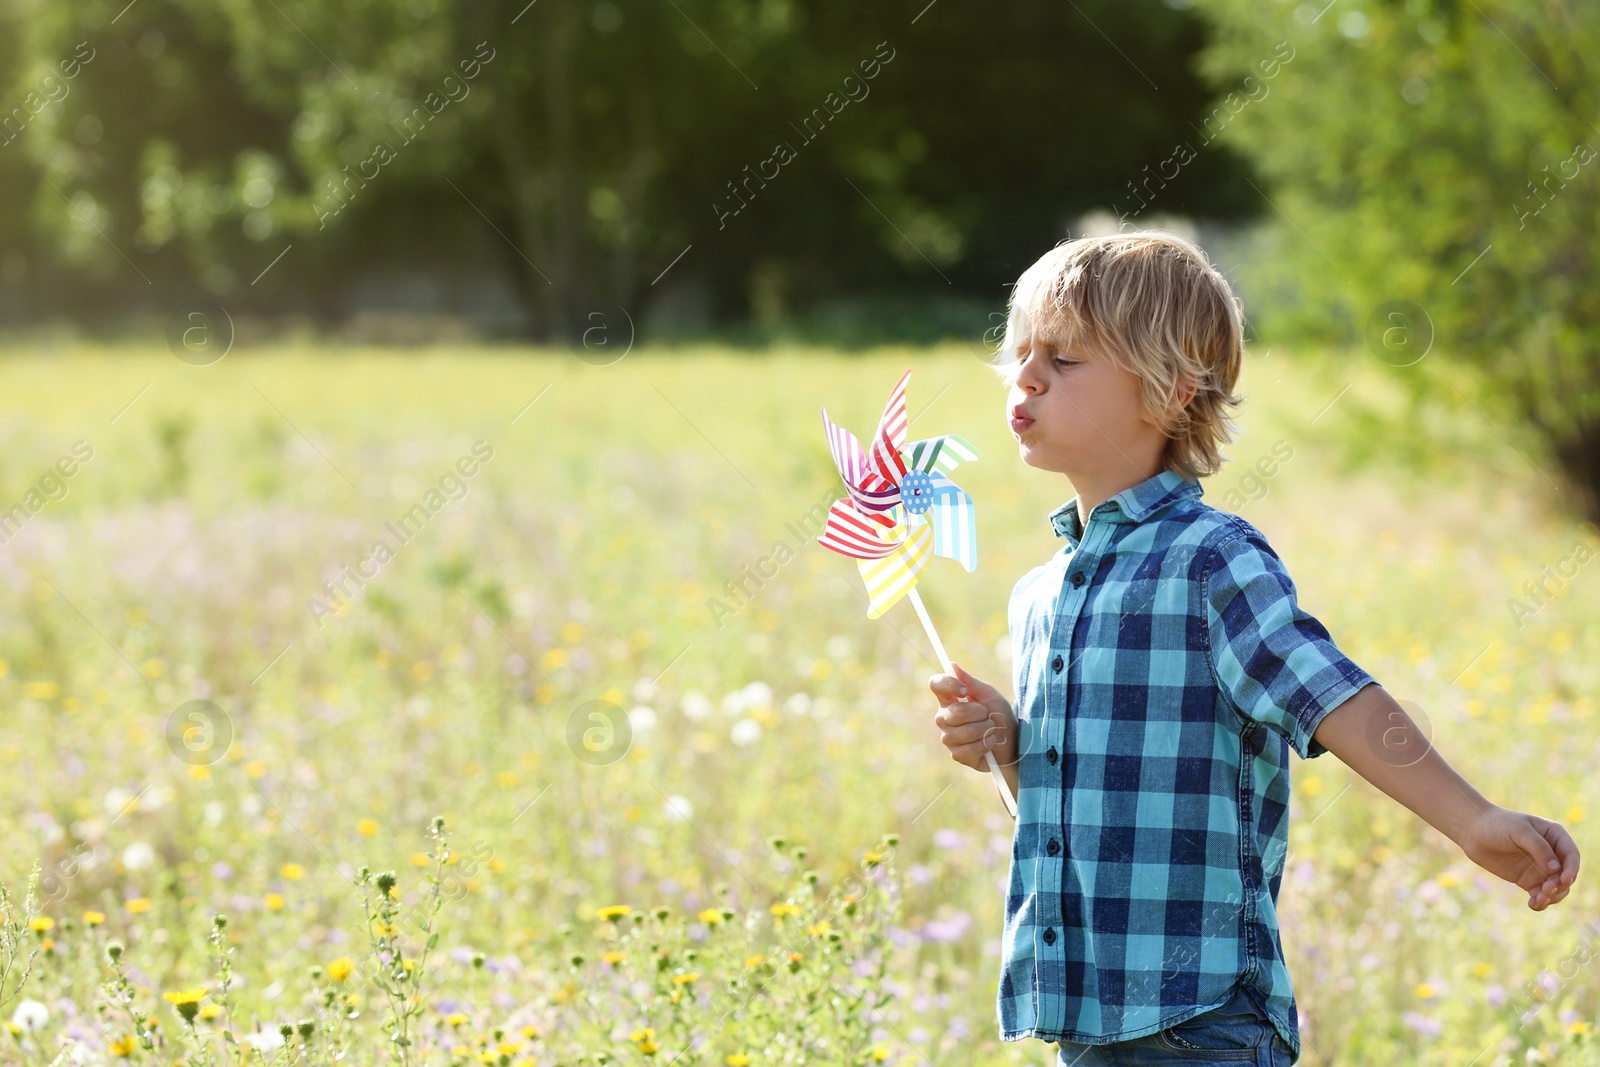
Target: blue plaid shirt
[{"x": 1163, "y": 669}]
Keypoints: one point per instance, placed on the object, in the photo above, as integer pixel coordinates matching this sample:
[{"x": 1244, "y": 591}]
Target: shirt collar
[{"x": 1133, "y": 504}]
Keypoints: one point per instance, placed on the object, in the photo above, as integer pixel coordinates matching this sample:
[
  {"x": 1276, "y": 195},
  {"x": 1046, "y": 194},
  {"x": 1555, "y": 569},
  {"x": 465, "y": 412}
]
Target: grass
[{"x": 541, "y": 664}]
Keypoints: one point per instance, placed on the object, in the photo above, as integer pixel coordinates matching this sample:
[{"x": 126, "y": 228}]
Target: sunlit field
[{"x": 691, "y": 804}]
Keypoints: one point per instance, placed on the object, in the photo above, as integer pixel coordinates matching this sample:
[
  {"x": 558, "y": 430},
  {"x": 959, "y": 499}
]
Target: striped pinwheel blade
[
  {"x": 847, "y": 454},
  {"x": 883, "y": 459},
  {"x": 859, "y": 534},
  {"x": 954, "y": 522},
  {"x": 939, "y": 453},
  {"x": 890, "y": 578}
]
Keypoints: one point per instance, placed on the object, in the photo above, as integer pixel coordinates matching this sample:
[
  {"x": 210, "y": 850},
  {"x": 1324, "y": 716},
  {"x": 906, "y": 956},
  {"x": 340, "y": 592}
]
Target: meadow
[{"x": 512, "y": 788}]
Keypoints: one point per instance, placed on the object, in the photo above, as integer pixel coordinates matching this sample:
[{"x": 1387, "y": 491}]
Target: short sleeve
[{"x": 1275, "y": 663}]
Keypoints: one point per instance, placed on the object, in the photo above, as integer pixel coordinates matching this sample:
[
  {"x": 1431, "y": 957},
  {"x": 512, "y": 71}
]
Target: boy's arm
[{"x": 1373, "y": 735}]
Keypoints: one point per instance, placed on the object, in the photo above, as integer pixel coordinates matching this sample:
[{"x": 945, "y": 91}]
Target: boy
[{"x": 1163, "y": 670}]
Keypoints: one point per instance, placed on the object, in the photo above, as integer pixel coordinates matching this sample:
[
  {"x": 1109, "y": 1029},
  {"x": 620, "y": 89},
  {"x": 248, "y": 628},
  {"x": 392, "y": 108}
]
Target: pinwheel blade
[
  {"x": 890, "y": 578},
  {"x": 939, "y": 453},
  {"x": 847, "y": 454},
  {"x": 859, "y": 534},
  {"x": 884, "y": 457},
  {"x": 954, "y": 522}
]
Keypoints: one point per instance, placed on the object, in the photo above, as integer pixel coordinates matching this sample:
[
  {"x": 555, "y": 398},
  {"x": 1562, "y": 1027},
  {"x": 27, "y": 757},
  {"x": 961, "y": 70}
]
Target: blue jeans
[{"x": 1237, "y": 1032}]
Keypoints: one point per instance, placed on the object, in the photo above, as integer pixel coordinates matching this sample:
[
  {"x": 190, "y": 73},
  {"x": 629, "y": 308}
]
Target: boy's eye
[{"x": 1060, "y": 362}]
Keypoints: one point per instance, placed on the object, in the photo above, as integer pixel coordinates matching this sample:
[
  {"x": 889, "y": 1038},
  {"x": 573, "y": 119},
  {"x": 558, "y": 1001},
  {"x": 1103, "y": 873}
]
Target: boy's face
[{"x": 1079, "y": 415}]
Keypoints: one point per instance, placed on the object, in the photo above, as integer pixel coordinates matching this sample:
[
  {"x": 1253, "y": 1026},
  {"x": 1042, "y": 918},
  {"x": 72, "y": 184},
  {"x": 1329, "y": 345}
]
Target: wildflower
[
  {"x": 186, "y": 1001},
  {"x": 340, "y": 968},
  {"x": 872, "y": 858},
  {"x": 293, "y": 871},
  {"x": 138, "y": 905},
  {"x": 274, "y": 901},
  {"x": 530, "y": 1031},
  {"x": 1449, "y": 879},
  {"x": 420, "y": 859},
  {"x": 123, "y": 1046},
  {"x": 508, "y": 1048},
  {"x": 1578, "y": 1028},
  {"x": 738, "y": 1059},
  {"x": 817, "y": 929},
  {"x": 210, "y": 1011},
  {"x": 642, "y": 1035},
  {"x": 879, "y": 1052},
  {"x": 1424, "y": 990},
  {"x": 685, "y": 979},
  {"x": 255, "y": 769},
  {"x": 93, "y": 918},
  {"x": 30, "y": 1015},
  {"x": 383, "y": 929},
  {"x": 613, "y": 912},
  {"x": 754, "y": 961},
  {"x": 613, "y": 957},
  {"x": 781, "y": 909},
  {"x": 1483, "y": 970},
  {"x": 710, "y": 916},
  {"x": 367, "y": 827},
  {"x": 41, "y": 924},
  {"x": 456, "y": 1018}
]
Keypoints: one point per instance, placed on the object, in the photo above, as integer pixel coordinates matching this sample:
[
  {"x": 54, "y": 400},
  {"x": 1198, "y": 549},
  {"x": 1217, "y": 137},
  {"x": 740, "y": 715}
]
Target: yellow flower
[
  {"x": 124, "y": 1046},
  {"x": 138, "y": 905},
  {"x": 1424, "y": 990},
  {"x": 41, "y": 924},
  {"x": 613, "y": 912},
  {"x": 508, "y": 1048},
  {"x": 367, "y": 827},
  {"x": 1483, "y": 970},
  {"x": 13, "y": 1027},
  {"x": 738, "y": 1059},
  {"x": 456, "y": 1018},
  {"x": 153, "y": 668},
  {"x": 274, "y": 901},
  {"x": 1577, "y": 813},
  {"x": 422, "y": 670},
  {"x": 41, "y": 690},
  {"x": 642, "y": 1035},
  {"x": 685, "y": 979},
  {"x": 461, "y": 1050},
  {"x": 186, "y": 1001},
  {"x": 782, "y": 909},
  {"x": 93, "y": 918},
  {"x": 710, "y": 916},
  {"x": 255, "y": 769},
  {"x": 340, "y": 968},
  {"x": 293, "y": 871},
  {"x": 383, "y": 929},
  {"x": 420, "y": 859},
  {"x": 872, "y": 858},
  {"x": 817, "y": 929},
  {"x": 880, "y": 1052},
  {"x": 1449, "y": 879},
  {"x": 200, "y": 772},
  {"x": 1578, "y": 1027},
  {"x": 613, "y": 957},
  {"x": 210, "y": 1011},
  {"x": 530, "y": 1031},
  {"x": 754, "y": 961}
]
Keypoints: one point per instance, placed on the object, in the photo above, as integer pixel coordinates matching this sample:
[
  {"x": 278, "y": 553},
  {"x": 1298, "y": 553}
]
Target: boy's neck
[{"x": 1096, "y": 487}]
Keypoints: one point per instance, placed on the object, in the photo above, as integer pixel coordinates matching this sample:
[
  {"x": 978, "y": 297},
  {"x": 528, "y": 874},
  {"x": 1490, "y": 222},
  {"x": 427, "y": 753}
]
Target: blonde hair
[{"x": 1152, "y": 304}]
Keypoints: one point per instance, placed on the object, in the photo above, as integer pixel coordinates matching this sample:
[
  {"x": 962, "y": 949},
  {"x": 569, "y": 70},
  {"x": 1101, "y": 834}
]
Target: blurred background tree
[
  {"x": 591, "y": 150},
  {"x": 1431, "y": 168}
]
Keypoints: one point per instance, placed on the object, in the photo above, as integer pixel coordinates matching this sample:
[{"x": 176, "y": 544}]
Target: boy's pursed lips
[{"x": 1020, "y": 419}]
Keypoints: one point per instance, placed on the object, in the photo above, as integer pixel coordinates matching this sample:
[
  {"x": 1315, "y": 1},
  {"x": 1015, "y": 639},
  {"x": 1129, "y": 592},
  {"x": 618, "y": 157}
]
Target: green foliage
[{"x": 1439, "y": 153}]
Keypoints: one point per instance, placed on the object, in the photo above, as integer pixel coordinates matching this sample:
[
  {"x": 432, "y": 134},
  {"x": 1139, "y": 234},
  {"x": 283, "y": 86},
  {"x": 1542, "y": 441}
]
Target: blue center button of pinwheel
[{"x": 916, "y": 491}]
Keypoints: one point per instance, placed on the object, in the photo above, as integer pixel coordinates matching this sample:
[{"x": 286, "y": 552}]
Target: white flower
[
  {"x": 30, "y": 1015},
  {"x": 138, "y": 856},
  {"x": 265, "y": 1040},
  {"x": 757, "y": 695},
  {"x": 695, "y": 705},
  {"x": 798, "y": 704},
  {"x": 642, "y": 718},
  {"x": 679, "y": 809},
  {"x": 746, "y": 732}
]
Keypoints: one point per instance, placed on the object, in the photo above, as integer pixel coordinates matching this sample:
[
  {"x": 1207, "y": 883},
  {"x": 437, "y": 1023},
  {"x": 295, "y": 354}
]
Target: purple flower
[
  {"x": 1495, "y": 995},
  {"x": 1422, "y": 1024},
  {"x": 950, "y": 839}
]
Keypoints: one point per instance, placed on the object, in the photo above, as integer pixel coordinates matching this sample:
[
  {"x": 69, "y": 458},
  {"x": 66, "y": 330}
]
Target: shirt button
[
  {"x": 1053, "y": 847},
  {"x": 1056, "y": 664},
  {"x": 1049, "y": 935},
  {"x": 1077, "y": 579},
  {"x": 1051, "y": 755}
]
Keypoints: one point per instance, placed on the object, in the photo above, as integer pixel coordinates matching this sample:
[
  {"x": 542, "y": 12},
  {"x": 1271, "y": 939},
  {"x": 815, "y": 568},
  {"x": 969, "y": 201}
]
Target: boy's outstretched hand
[
  {"x": 1535, "y": 853},
  {"x": 973, "y": 719}
]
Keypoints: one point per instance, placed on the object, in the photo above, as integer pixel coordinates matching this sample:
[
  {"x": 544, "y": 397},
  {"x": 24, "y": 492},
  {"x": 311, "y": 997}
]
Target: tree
[{"x": 1439, "y": 153}]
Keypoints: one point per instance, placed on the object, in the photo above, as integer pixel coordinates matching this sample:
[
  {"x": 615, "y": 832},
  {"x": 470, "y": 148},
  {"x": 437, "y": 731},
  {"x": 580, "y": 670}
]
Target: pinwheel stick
[{"x": 949, "y": 668}]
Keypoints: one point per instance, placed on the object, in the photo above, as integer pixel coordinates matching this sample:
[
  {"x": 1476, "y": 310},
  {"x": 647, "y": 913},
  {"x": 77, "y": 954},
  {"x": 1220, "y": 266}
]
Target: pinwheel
[{"x": 901, "y": 511}]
